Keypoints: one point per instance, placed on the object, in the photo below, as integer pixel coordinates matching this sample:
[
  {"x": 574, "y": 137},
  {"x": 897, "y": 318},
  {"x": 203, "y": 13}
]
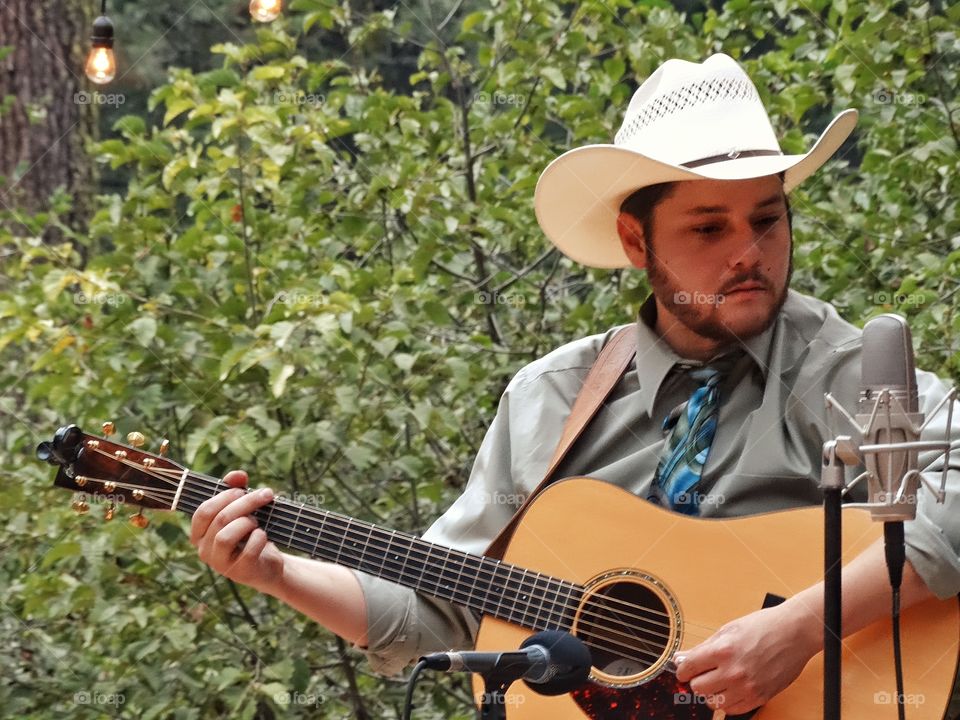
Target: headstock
[{"x": 112, "y": 472}]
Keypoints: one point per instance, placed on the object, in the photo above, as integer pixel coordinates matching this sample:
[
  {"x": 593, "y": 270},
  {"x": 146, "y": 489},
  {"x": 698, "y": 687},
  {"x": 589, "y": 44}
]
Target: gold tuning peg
[
  {"x": 110, "y": 512},
  {"x": 108, "y": 428},
  {"x": 135, "y": 439},
  {"x": 164, "y": 447},
  {"x": 80, "y": 505},
  {"x": 139, "y": 520}
]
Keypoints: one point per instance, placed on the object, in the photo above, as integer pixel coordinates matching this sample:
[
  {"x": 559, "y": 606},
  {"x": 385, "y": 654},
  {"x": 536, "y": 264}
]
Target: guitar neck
[{"x": 482, "y": 584}]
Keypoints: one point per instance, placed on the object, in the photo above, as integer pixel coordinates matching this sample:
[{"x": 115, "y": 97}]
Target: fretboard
[{"x": 523, "y": 597}]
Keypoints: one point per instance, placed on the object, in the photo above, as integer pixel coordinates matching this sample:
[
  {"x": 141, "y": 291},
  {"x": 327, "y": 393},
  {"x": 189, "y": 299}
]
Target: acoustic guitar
[{"x": 634, "y": 582}]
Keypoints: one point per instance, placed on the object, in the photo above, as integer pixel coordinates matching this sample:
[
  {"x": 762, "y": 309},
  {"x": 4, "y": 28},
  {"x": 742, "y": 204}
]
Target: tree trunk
[{"x": 48, "y": 115}]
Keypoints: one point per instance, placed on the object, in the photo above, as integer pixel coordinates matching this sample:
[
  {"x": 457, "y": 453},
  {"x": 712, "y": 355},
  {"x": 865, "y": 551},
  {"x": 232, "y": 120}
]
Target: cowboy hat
[{"x": 687, "y": 121}]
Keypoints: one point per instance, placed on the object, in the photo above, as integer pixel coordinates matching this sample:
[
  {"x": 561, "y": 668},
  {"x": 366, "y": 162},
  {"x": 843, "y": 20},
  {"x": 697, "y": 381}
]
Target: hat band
[{"x": 735, "y": 155}]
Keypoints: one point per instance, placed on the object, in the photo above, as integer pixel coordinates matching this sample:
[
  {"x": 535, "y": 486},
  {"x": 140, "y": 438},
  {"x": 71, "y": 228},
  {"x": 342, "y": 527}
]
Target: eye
[
  {"x": 707, "y": 229},
  {"x": 769, "y": 220}
]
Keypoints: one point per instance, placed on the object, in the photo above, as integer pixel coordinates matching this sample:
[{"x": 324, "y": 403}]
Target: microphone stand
[
  {"x": 832, "y": 482},
  {"x": 495, "y": 684}
]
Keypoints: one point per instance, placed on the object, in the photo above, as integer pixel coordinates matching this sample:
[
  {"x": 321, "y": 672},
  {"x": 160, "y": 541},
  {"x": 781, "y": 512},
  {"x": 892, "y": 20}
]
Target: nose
[{"x": 745, "y": 251}]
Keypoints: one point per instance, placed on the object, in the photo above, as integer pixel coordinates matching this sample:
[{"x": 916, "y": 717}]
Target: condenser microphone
[
  {"x": 888, "y": 410},
  {"x": 551, "y": 662}
]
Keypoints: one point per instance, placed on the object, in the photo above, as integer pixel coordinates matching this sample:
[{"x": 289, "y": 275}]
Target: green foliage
[{"x": 329, "y": 282}]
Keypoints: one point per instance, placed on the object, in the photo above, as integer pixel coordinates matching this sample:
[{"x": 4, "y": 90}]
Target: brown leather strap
[{"x": 604, "y": 375}]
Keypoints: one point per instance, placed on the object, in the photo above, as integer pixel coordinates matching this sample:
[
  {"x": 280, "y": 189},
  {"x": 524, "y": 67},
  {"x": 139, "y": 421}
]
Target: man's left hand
[{"x": 749, "y": 660}]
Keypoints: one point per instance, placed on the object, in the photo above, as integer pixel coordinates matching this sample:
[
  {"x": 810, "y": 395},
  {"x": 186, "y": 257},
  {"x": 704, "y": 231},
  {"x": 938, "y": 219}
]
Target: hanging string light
[
  {"x": 101, "y": 62},
  {"x": 265, "y": 10}
]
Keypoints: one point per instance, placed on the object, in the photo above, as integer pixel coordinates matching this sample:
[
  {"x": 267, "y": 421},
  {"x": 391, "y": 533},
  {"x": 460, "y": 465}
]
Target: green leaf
[
  {"x": 176, "y": 108},
  {"x": 143, "y": 329},
  {"x": 278, "y": 378}
]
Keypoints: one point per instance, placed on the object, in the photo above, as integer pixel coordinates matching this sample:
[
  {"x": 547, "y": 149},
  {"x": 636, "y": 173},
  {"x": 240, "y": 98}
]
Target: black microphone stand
[
  {"x": 832, "y": 579},
  {"x": 836, "y": 454},
  {"x": 495, "y": 684}
]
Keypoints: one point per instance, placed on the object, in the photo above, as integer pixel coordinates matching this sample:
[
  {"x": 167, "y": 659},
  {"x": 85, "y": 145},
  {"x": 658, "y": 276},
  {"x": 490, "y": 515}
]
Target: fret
[
  {"x": 444, "y": 584},
  {"x": 540, "y": 607},
  {"x": 370, "y": 530},
  {"x": 426, "y": 561},
  {"x": 386, "y": 555},
  {"x": 491, "y": 576},
  {"x": 343, "y": 540},
  {"x": 266, "y": 525},
  {"x": 506, "y": 585},
  {"x": 473, "y": 583},
  {"x": 319, "y": 531},
  {"x": 403, "y": 567},
  {"x": 524, "y": 598},
  {"x": 296, "y": 521}
]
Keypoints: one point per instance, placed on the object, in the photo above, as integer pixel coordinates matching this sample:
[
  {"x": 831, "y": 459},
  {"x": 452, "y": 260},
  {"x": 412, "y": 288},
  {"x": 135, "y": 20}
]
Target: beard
[{"x": 703, "y": 314}]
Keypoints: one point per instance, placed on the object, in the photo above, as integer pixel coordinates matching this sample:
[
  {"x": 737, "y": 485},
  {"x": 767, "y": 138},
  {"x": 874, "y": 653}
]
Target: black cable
[
  {"x": 895, "y": 550},
  {"x": 411, "y": 683},
  {"x": 897, "y": 659}
]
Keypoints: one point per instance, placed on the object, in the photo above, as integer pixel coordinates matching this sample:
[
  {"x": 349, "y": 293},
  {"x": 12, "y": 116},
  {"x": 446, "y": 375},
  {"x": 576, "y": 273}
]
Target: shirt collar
[{"x": 655, "y": 358}]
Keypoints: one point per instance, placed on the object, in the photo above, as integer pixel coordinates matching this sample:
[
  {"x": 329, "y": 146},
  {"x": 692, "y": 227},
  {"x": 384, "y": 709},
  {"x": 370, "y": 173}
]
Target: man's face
[{"x": 719, "y": 261}]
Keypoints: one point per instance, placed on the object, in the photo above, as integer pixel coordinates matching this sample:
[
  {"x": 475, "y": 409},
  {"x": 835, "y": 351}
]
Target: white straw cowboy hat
[{"x": 688, "y": 121}]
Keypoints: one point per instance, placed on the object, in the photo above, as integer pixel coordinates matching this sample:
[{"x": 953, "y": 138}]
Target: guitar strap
[{"x": 604, "y": 375}]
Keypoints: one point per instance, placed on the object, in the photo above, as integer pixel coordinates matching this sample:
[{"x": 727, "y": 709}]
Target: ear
[{"x": 630, "y": 231}]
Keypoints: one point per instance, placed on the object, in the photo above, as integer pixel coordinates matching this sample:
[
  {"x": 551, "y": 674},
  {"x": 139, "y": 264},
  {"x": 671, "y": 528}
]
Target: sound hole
[{"x": 627, "y": 627}]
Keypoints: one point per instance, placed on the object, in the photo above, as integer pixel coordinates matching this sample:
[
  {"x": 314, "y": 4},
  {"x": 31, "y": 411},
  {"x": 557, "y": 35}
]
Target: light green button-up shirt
[{"x": 766, "y": 454}]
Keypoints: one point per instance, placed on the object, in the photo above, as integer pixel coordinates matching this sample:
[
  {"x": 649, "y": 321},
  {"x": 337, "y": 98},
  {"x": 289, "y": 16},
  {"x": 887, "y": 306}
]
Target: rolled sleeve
[{"x": 402, "y": 625}]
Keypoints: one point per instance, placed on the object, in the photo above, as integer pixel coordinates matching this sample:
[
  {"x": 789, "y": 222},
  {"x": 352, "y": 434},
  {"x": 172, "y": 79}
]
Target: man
[{"x": 692, "y": 191}]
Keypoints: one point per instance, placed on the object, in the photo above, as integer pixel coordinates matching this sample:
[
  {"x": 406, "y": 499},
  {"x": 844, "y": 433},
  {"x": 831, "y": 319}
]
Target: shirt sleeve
[
  {"x": 403, "y": 624},
  {"x": 933, "y": 539}
]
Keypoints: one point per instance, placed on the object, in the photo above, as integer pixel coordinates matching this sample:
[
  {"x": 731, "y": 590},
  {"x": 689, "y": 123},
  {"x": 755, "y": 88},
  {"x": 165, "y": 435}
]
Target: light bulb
[
  {"x": 265, "y": 10},
  {"x": 101, "y": 62},
  {"x": 101, "y": 65}
]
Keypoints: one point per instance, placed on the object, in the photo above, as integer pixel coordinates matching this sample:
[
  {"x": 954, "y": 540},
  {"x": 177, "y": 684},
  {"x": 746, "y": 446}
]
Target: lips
[{"x": 746, "y": 287}]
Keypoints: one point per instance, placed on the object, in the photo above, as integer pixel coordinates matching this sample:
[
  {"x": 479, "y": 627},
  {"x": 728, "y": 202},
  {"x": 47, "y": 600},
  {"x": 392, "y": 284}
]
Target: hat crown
[{"x": 687, "y": 111}]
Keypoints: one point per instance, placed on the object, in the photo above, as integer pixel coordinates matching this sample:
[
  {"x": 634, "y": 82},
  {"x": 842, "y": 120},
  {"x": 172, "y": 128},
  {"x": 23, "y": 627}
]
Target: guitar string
[
  {"x": 356, "y": 536},
  {"x": 651, "y": 654},
  {"x": 527, "y": 610},
  {"x": 527, "y": 584},
  {"x": 442, "y": 580}
]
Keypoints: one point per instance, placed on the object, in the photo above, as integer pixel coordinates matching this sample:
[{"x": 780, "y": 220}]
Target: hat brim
[{"x": 578, "y": 195}]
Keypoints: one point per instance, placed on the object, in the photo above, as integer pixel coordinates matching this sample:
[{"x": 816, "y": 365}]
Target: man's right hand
[{"x": 229, "y": 538}]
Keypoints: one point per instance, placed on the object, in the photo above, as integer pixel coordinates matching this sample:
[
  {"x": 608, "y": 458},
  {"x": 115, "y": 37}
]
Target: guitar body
[{"x": 695, "y": 575}]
